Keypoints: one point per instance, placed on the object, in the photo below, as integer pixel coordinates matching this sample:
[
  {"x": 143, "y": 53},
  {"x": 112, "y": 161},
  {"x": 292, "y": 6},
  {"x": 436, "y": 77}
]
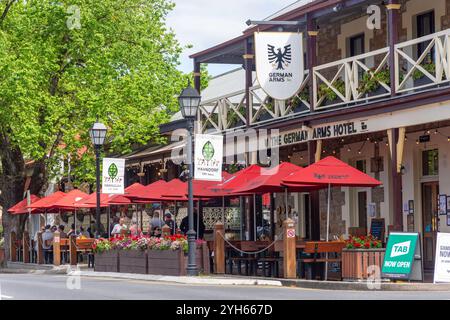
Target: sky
[{"x": 205, "y": 23}]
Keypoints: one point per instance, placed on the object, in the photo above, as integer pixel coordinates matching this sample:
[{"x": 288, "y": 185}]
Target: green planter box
[{"x": 107, "y": 261}]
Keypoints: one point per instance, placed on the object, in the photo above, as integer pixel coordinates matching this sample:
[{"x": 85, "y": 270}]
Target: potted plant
[
  {"x": 419, "y": 77},
  {"x": 330, "y": 96},
  {"x": 106, "y": 256},
  {"x": 297, "y": 101},
  {"x": 370, "y": 85},
  {"x": 359, "y": 254}
]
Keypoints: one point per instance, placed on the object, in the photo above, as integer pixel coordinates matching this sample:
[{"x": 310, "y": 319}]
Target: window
[
  {"x": 425, "y": 26},
  {"x": 430, "y": 162},
  {"x": 357, "y": 45},
  {"x": 361, "y": 165}
]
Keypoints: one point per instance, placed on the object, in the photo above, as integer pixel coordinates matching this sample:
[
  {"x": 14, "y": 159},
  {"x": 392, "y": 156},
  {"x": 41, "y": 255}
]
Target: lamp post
[
  {"x": 98, "y": 135},
  {"x": 189, "y": 101}
]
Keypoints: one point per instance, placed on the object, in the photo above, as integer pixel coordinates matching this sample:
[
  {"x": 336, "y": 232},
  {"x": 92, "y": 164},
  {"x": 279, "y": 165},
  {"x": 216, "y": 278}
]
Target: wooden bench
[
  {"x": 82, "y": 246},
  {"x": 321, "y": 251}
]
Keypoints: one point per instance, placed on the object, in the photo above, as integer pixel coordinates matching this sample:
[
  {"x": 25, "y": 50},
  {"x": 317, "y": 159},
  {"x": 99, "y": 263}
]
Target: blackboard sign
[{"x": 377, "y": 228}]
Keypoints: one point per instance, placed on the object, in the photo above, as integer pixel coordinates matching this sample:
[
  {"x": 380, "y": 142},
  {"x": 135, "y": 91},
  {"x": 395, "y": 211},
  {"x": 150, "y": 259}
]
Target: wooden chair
[
  {"x": 249, "y": 260},
  {"x": 319, "y": 250},
  {"x": 85, "y": 246}
]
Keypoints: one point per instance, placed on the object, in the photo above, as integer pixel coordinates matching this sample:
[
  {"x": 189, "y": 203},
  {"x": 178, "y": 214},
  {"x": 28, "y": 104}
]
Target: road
[{"x": 61, "y": 287}]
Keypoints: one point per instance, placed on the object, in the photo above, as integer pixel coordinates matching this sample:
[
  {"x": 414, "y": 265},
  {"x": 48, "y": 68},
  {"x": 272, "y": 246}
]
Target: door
[
  {"x": 362, "y": 210},
  {"x": 430, "y": 221}
]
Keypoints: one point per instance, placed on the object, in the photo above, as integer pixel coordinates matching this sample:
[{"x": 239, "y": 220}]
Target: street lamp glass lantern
[
  {"x": 189, "y": 101},
  {"x": 98, "y": 133}
]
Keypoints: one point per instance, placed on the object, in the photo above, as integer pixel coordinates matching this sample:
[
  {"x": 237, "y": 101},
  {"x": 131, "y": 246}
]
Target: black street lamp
[
  {"x": 189, "y": 101},
  {"x": 98, "y": 135}
]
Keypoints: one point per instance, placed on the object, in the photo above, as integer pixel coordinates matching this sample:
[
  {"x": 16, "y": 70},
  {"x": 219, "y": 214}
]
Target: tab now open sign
[{"x": 399, "y": 258}]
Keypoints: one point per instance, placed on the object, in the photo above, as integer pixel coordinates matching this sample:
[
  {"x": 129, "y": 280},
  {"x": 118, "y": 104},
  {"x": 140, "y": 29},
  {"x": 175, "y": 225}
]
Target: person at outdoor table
[
  {"x": 184, "y": 226},
  {"x": 115, "y": 221},
  {"x": 47, "y": 244},
  {"x": 156, "y": 221},
  {"x": 171, "y": 223},
  {"x": 119, "y": 227},
  {"x": 156, "y": 232},
  {"x": 62, "y": 234},
  {"x": 84, "y": 233},
  {"x": 134, "y": 229},
  {"x": 72, "y": 231}
]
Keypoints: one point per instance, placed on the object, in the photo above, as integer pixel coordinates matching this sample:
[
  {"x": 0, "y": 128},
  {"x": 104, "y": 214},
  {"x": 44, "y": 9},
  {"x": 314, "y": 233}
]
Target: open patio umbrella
[
  {"x": 45, "y": 203},
  {"x": 331, "y": 172},
  {"x": 67, "y": 203},
  {"x": 106, "y": 200},
  {"x": 22, "y": 206},
  {"x": 140, "y": 193}
]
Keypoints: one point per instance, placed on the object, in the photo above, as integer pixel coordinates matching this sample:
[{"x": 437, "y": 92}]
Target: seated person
[{"x": 47, "y": 245}]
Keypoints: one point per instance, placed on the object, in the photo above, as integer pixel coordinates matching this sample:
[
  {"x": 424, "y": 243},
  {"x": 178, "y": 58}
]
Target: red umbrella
[
  {"x": 139, "y": 192},
  {"x": 69, "y": 200},
  {"x": 270, "y": 181},
  {"x": 154, "y": 191},
  {"x": 47, "y": 202},
  {"x": 106, "y": 200},
  {"x": 236, "y": 180},
  {"x": 331, "y": 172},
  {"x": 22, "y": 206}
]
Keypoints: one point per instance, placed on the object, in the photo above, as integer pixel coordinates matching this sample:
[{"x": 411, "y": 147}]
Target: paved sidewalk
[{"x": 83, "y": 271}]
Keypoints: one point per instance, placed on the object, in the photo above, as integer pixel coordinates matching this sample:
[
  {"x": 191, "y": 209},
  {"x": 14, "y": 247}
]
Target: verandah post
[
  {"x": 26, "y": 247},
  {"x": 57, "y": 248},
  {"x": 40, "y": 251},
  {"x": 219, "y": 248},
  {"x": 13, "y": 247},
  {"x": 73, "y": 250},
  {"x": 289, "y": 250}
]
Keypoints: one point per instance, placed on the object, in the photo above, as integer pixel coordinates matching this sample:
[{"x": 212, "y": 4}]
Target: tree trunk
[{"x": 12, "y": 184}]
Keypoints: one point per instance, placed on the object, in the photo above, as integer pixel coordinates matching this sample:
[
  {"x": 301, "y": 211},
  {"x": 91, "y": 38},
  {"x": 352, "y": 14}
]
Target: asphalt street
[{"x": 62, "y": 287}]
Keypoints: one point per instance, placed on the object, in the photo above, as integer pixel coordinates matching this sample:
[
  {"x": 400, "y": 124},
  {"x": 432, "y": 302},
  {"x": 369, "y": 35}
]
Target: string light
[{"x": 349, "y": 149}]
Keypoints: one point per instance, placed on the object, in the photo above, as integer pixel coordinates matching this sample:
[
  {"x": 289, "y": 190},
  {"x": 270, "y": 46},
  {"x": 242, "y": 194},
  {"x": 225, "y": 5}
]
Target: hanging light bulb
[
  {"x": 349, "y": 149},
  {"x": 417, "y": 142},
  {"x": 436, "y": 131},
  {"x": 406, "y": 138},
  {"x": 448, "y": 139}
]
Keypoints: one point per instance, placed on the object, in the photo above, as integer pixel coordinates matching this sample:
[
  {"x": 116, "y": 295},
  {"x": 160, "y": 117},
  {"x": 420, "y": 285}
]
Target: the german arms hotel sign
[{"x": 279, "y": 63}]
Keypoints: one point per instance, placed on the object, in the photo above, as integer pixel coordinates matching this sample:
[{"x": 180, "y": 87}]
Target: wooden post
[
  {"x": 40, "y": 251},
  {"x": 248, "y": 66},
  {"x": 26, "y": 247},
  {"x": 289, "y": 250},
  {"x": 56, "y": 248},
  {"x": 219, "y": 248},
  {"x": 165, "y": 230},
  {"x": 312, "y": 56},
  {"x": 13, "y": 247},
  {"x": 73, "y": 250},
  {"x": 393, "y": 8}
]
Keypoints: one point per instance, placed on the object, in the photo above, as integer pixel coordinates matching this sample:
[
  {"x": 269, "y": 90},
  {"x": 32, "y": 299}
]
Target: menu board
[{"x": 377, "y": 228}]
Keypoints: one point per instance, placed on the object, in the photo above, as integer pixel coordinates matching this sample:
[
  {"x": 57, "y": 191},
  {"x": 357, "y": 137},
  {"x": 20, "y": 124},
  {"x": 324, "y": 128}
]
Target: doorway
[
  {"x": 362, "y": 210},
  {"x": 430, "y": 221}
]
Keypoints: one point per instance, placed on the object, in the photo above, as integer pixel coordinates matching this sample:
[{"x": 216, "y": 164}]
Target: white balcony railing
[
  {"x": 420, "y": 64},
  {"x": 423, "y": 62},
  {"x": 351, "y": 80}
]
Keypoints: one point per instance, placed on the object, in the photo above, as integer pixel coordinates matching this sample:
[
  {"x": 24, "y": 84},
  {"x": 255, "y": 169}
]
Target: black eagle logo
[{"x": 280, "y": 59}]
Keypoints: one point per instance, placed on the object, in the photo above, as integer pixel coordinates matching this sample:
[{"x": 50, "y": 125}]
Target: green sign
[{"x": 399, "y": 257}]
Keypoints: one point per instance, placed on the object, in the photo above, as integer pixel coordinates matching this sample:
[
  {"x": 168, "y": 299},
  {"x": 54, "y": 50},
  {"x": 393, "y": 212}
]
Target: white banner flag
[
  {"x": 442, "y": 261},
  {"x": 279, "y": 63},
  {"x": 113, "y": 176},
  {"x": 208, "y": 157}
]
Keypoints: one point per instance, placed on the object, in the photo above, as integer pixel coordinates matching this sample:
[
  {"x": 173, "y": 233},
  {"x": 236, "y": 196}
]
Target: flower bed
[
  {"x": 362, "y": 256},
  {"x": 148, "y": 255}
]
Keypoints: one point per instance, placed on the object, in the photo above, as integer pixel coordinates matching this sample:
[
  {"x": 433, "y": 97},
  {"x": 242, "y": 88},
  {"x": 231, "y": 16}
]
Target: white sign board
[
  {"x": 442, "y": 261},
  {"x": 279, "y": 63},
  {"x": 208, "y": 157},
  {"x": 113, "y": 176}
]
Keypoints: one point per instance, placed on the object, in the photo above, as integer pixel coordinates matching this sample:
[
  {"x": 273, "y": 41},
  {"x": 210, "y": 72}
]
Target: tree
[{"x": 65, "y": 63}]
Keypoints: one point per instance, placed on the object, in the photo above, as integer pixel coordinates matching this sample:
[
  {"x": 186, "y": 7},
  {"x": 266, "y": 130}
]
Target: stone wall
[{"x": 337, "y": 224}]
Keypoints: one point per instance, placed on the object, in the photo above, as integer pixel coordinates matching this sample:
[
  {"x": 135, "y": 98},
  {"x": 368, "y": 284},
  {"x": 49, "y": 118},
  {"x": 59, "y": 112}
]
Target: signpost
[
  {"x": 403, "y": 259},
  {"x": 442, "y": 261}
]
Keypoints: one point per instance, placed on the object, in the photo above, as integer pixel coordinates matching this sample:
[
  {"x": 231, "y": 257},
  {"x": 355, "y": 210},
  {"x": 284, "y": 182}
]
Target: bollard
[
  {"x": 56, "y": 248},
  {"x": 73, "y": 250},
  {"x": 40, "y": 251},
  {"x": 219, "y": 248},
  {"x": 13, "y": 247},
  {"x": 289, "y": 250},
  {"x": 165, "y": 231},
  {"x": 26, "y": 247}
]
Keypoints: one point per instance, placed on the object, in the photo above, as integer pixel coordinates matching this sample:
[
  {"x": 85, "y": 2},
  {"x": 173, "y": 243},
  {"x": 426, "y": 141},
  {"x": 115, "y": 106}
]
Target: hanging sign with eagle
[{"x": 279, "y": 63}]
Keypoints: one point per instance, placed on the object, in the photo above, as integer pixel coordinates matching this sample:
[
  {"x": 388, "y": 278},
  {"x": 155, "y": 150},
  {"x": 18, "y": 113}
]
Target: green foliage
[
  {"x": 430, "y": 67},
  {"x": 56, "y": 79},
  {"x": 328, "y": 93},
  {"x": 371, "y": 83}
]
